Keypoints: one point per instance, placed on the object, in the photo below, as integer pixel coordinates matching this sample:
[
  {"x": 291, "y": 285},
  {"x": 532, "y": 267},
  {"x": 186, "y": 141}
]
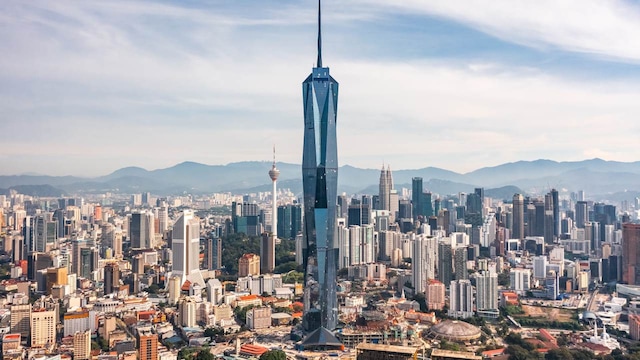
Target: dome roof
[{"x": 454, "y": 330}]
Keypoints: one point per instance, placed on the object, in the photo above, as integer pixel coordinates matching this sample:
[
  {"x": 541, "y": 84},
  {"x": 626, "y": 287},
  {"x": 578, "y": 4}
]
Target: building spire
[
  {"x": 319, "y": 64},
  {"x": 274, "y": 155}
]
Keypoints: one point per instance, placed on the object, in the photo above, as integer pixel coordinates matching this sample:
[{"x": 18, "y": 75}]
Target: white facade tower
[{"x": 186, "y": 249}]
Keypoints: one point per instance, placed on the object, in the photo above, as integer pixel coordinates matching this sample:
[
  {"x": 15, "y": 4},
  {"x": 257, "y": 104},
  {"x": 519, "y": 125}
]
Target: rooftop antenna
[{"x": 319, "y": 38}]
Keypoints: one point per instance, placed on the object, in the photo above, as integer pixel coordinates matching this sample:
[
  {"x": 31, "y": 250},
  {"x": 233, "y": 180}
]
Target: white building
[{"x": 186, "y": 248}]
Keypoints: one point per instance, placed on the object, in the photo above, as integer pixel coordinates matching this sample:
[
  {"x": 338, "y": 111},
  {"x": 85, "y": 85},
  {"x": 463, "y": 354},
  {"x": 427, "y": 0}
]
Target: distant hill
[
  {"x": 34, "y": 190},
  {"x": 594, "y": 176}
]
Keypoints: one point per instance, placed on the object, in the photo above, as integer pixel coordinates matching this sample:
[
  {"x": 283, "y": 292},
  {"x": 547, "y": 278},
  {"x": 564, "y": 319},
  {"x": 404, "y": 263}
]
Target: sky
[{"x": 89, "y": 87}]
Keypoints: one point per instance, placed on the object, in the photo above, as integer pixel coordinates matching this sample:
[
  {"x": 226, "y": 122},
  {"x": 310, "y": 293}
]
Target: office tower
[
  {"x": 36, "y": 262},
  {"x": 88, "y": 262},
  {"x": 320, "y": 181},
  {"x": 582, "y": 214},
  {"x": 556, "y": 212},
  {"x": 44, "y": 231},
  {"x": 215, "y": 291},
  {"x": 27, "y": 234},
  {"x": 385, "y": 186},
  {"x": 267, "y": 253},
  {"x": 520, "y": 280},
  {"x": 213, "y": 252},
  {"x": 518, "y": 216},
  {"x": 43, "y": 327},
  {"x": 418, "y": 265},
  {"x": 487, "y": 291},
  {"x": 434, "y": 296},
  {"x": 111, "y": 278},
  {"x": 631, "y": 253},
  {"x": 461, "y": 299},
  {"x": 540, "y": 267},
  {"x": 416, "y": 197},
  {"x": 405, "y": 210},
  {"x": 460, "y": 263},
  {"x": 82, "y": 345},
  {"x": 445, "y": 262},
  {"x": 186, "y": 248},
  {"x": 148, "y": 346},
  {"x": 20, "y": 319},
  {"x": 248, "y": 264},
  {"x": 290, "y": 220},
  {"x": 141, "y": 230},
  {"x": 539, "y": 223},
  {"x": 55, "y": 277},
  {"x": 173, "y": 289},
  {"x": 273, "y": 174}
]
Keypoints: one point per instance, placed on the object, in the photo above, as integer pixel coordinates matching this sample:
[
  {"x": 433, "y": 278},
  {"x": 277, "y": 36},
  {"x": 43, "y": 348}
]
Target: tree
[
  {"x": 274, "y": 355},
  {"x": 204, "y": 354}
]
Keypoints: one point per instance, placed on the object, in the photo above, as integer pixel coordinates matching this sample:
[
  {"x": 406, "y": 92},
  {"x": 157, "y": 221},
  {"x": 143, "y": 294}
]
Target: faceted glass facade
[{"x": 320, "y": 181}]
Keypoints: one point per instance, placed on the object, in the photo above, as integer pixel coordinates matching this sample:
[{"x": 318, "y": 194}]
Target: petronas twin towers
[{"x": 320, "y": 182}]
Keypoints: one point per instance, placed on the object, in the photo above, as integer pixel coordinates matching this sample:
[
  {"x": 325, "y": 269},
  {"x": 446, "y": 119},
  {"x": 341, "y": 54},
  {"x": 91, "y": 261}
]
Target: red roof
[
  {"x": 253, "y": 349},
  {"x": 186, "y": 285},
  {"x": 492, "y": 353},
  {"x": 248, "y": 297}
]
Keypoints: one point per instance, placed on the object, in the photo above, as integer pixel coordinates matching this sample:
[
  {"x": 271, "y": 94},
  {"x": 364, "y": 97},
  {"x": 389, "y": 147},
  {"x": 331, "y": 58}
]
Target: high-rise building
[
  {"x": 556, "y": 212},
  {"x": 111, "y": 278},
  {"x": 43, "y": 328},
  {"x": 460, "y": 263},
  {"x": 82, "y": 345},
  {"x": 631, "y": 253},
  {"x": 148, "y": 346},
  {"x": 416, "y": 197},
  {"x": 445, "y": 262},
  {"x": 141, "y": 230},
  {"x": 213, "y": 252},
  {"x": 267, "y": 253},
  {"x": 461, "y": 299},
  {"x": 320, "y": 182},
  {"x": 186, "y": 248},
  {"x": 289, "y": 221},
  {"x": 487, "y": 291},
  {"x": 248, "y": 264},
  {"x": 20, "y": 319},
  {"x": 518, "y": 216},
  {"x": 582, "y": 214},
  {"x": 434, "y": 296},
  {"x": 385, "y": 186}
]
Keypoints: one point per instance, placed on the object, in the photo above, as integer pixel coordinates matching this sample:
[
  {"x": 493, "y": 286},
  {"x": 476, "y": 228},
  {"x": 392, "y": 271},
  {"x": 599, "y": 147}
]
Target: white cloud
[
  {"x": 609, "y": 28},
  {"x": 122, "y": 83}
]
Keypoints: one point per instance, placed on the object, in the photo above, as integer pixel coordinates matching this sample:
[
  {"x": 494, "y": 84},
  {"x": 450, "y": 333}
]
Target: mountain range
[{"x": 597, "y": 177}]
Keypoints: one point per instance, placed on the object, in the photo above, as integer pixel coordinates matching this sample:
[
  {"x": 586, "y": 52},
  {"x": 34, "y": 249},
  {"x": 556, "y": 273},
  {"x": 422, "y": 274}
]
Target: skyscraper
[
  {"x": 186, "y": 248},
  {"x": 416, "y": 197},
  {"x": 385, "y": 186},
  {"x": 518, "y": 216},
  {"x": 631, "y": 253},
  {"x": 320, "y": 182}
]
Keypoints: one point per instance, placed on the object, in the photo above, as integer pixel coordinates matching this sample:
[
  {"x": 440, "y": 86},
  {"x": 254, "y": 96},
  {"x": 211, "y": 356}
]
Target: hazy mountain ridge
[{"x": 595, "y": 176}]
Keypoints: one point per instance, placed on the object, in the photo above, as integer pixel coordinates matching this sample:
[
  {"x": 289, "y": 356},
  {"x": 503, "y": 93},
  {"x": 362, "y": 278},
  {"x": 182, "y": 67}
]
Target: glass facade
[{"x": 320, "y": 181}]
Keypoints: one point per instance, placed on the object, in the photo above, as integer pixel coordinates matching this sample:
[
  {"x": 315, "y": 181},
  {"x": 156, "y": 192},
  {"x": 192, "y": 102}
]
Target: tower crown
[{"x": 274, "y": 172}]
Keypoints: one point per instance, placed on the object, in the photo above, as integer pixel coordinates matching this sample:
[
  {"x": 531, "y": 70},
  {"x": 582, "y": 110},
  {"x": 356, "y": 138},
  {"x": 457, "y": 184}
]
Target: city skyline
[{"x": 125, "y": 83}]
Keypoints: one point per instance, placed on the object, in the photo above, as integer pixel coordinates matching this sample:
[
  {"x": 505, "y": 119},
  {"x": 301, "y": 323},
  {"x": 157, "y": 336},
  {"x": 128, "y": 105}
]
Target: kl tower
[
  {"x": 268, "y": 242},
  {"x": 273, "y": 174}
]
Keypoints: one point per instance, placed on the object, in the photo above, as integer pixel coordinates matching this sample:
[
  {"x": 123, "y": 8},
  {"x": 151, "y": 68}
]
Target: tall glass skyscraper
[{"x": 320, "y": 182}]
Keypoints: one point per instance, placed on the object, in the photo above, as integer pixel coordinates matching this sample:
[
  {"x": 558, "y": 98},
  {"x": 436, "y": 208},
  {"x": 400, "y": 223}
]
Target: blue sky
[{"x": 90, "y": 87}]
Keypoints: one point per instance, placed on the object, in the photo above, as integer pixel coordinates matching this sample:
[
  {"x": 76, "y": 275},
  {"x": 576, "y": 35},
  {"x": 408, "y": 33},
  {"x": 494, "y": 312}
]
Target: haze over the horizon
[{"x": 87, "y": 88}]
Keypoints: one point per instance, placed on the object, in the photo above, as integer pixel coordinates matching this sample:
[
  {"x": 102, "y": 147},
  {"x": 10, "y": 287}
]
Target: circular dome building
[{"x": 454, "y": 330}]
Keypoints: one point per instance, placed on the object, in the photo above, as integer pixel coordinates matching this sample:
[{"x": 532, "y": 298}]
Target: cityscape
[{"x": 275, "y": 260}]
